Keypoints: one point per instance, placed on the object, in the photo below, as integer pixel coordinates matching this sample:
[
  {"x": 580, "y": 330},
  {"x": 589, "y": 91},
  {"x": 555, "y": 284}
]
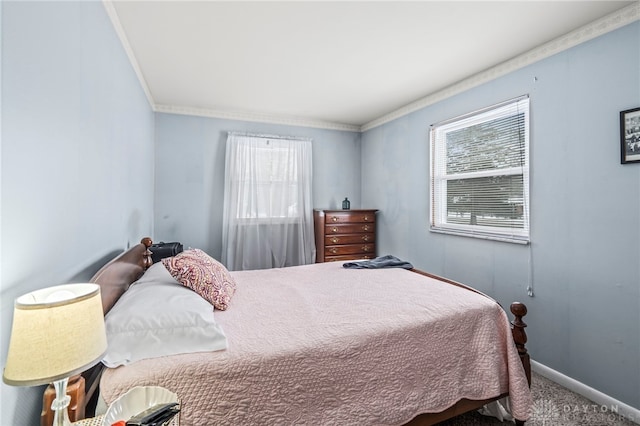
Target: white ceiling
[{"x": 339, "y": 64}]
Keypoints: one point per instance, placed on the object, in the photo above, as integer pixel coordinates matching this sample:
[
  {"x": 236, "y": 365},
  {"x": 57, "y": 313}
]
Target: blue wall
[
  {"x": 584, "y": 258},
  {"x": 77, "y": 156},
  {"x": 190, "y": 157}
]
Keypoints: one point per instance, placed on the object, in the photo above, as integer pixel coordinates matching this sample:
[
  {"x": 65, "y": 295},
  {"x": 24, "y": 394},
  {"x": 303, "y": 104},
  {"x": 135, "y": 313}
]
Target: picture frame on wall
[{"x": 630, "y": 136}]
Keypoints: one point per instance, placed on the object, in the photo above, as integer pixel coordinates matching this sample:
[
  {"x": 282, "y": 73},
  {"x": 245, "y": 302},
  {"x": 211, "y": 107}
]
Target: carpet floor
[{"x": 553, "y": 405}]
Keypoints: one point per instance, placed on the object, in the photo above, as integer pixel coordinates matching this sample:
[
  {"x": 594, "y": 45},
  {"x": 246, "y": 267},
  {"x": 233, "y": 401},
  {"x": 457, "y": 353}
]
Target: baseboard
[{"x": 603, "y": 400}]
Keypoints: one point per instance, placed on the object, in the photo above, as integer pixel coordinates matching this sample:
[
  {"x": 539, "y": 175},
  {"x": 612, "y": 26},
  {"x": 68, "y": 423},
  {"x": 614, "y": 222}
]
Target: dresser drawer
[
  {"x": 345, "y": 217},
  {"x": 337, "y": 239},
  {"x": 348, "y": 257},
  {"x": 352, "y": 228},
  {"x": 349, "y": 249}
]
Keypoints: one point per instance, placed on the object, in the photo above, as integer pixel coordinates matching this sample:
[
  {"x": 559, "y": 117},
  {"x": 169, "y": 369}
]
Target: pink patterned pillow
[{"x": 203, "y": 274}]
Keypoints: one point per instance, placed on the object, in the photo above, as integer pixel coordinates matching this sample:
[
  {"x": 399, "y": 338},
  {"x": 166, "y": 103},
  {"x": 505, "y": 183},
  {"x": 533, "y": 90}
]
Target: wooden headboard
[{"x": 114, "y": 278}]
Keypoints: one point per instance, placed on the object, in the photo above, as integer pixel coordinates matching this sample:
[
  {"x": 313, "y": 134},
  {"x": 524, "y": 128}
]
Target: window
[
  {"x": 480, "y": 173},
  {"x": 268, "y": 216},
  {"x": 269, "y": 188}
]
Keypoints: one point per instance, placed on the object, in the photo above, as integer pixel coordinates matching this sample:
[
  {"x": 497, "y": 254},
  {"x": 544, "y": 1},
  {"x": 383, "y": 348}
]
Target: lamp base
[
  {"x": 60, "y": 404},
  {"x": 76, "y": 390}
]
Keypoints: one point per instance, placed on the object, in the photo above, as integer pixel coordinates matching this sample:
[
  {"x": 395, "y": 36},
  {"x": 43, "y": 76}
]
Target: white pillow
[{"x": 157, "y": 316}]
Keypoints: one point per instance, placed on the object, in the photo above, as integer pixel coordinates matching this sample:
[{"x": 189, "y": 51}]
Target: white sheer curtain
[{"x": 268, "y": 215}]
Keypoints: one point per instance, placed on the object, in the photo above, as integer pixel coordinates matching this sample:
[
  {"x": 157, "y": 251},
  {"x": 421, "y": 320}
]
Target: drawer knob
[
  {"x": 335, "y": 240},
  {"x": 334, "y": 229},
  {"x": 334, "y": 218},
  {"x": 365, "y": 238},
  {"x": 365, "y": 227},
  {"x": 366, "y": 218},
  {"x": 334, "y": 250},
  {"x": 365, "y": 248}
]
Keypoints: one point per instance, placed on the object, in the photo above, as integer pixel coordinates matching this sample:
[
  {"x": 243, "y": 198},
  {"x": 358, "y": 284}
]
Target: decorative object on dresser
[
  {"x": 346, "y": 204},
  {"x": 345, "y": 234},
  {"x": 57, "y": 332}
]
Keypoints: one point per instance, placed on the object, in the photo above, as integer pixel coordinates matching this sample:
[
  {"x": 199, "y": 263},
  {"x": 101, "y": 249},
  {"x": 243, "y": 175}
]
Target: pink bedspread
[{"x": 323, "y": 345}]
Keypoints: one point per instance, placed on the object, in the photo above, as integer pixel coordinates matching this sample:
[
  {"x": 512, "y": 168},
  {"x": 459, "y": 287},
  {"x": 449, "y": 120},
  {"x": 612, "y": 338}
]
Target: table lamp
[{"x": 57, "y": 332}]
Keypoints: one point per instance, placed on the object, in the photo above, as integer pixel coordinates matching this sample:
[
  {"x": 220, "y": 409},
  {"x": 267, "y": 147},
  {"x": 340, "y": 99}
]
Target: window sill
[{"x": 493, "y": 237}]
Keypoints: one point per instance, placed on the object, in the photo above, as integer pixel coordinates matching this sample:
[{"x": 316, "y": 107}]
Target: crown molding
[
  {"x": 257, "y": 117},
  {"x": 115, "y": 21},
  {"x": 202, "y": 112},
  {"x": 585, "y": 33}
]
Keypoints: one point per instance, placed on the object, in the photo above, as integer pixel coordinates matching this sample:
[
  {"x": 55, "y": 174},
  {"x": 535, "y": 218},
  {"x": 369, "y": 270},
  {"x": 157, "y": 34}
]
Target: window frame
[{"x": 439, "y": 176}]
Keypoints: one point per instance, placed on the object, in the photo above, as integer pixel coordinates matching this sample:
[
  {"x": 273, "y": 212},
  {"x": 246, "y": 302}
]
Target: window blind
[{"x": 480, "y": 173}]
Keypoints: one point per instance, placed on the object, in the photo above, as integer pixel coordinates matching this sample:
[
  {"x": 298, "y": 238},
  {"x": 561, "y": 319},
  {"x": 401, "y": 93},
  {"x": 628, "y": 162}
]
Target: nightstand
[
  {"x": 93, "y": 421},
  {"x": 97, "y": 421}
]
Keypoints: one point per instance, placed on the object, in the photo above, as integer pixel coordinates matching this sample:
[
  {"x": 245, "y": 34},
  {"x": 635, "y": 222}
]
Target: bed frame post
[
  {"x": 147, "y": 261},
  {"x": 519, "y": 310}
]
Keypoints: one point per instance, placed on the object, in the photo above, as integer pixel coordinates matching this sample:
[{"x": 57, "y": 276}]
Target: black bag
[
  {"x": 162, "y": 250},
  {"x": 157, "y": 415}
]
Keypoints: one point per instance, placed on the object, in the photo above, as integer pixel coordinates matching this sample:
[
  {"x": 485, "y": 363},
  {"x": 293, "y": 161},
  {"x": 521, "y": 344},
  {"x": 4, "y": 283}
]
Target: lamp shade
[{"x": 57, "y": 332}]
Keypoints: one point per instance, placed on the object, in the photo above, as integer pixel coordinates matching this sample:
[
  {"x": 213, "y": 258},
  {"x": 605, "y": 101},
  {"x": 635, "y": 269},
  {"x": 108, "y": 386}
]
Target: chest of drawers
[{"x": 345, "y": 234}]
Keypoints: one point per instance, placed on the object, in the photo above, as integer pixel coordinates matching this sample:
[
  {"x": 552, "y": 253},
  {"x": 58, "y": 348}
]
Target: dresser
[{"x": 344, "y": 234}]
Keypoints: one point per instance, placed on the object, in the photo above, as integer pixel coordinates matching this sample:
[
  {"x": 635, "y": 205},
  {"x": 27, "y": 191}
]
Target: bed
[{"x": 321, "y": 344}]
